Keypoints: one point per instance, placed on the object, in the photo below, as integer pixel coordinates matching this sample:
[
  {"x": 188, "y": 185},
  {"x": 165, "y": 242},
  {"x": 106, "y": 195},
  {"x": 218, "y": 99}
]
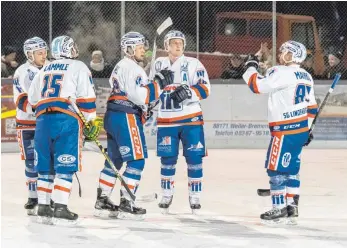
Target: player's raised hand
[
  {"x": 92, "y": 133},
  {"x": 252, "y": 61},
  {"x": 164, "y": 78},
  {"x": 182, "y": 93}
]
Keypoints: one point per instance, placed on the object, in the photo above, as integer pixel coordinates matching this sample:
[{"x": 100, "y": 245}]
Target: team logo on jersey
[
  {"x": 166, "y": 141},
  {"x": 31, "y": 74},
  {"x": 184, "y": 66},
  {"x": 157, "y": 66},
  {"x": 66, "y": 159},
  {"x": 138, "y": 80},
  {"x": 286, "y": 159},
  {"x": 197, "y": 147},
  {"x": 200, "y": 73}
]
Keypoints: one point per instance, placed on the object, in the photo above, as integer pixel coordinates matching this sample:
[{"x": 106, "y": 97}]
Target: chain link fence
[{"x": 220, "y": 34}]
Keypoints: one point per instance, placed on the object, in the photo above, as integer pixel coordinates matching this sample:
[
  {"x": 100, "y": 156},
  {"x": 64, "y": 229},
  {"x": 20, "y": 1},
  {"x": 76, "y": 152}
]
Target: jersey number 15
[{"x": 52, "y": 85}]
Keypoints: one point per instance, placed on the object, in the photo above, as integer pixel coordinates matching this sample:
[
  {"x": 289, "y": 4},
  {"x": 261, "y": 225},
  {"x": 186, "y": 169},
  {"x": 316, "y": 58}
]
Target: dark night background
[{"x": 21, "y": 20}]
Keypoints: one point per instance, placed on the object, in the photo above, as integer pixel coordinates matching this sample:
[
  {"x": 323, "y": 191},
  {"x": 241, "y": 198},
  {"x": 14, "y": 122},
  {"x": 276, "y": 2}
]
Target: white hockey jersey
[
  {"x": 58, "y": 81},
  {"x": 291, "y": 97},
  {"x": 188, "y": 71},
  {"x": 131, "y": 89},
  {"x": 25, "y": 117}
]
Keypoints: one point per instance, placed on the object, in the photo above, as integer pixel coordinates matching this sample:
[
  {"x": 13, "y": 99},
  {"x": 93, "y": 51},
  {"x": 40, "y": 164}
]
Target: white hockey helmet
[
  {"x": 174, "y": 34},
  {"x": 63, "y": 47},
  {"x": 297, "y": 49},
  {"x": 132, "y": 39},
  {"x": 33, "y": 44}
]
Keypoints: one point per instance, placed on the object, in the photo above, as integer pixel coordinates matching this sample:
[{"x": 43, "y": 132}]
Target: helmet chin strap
[
  {"x": 32, "y": 61},
  {"x": 131, "y": 56}
]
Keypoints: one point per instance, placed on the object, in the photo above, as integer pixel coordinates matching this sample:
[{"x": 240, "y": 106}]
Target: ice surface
[{"x": 230, "y": 206}]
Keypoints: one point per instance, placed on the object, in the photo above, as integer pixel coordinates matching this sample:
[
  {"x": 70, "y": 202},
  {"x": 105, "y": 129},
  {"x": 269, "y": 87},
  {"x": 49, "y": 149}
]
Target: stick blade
[
  {"x": 167, "y": 23},
  {"x": 263, "y": 192}
]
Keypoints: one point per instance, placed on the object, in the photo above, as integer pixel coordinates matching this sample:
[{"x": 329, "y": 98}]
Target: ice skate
[
  {"x": 194, "y": 202},
  {"x": 128, "y": 210},
  {"x": 104, "y": 207},
  {"x": 274, "y": 216},
  {"x": 165, "y": 203},
  {"x": 31, "y": 206},
  {"x": 63, "y": 216},
  {"x": 44, "y": 214},
  {"x": 293, "y": 212}
]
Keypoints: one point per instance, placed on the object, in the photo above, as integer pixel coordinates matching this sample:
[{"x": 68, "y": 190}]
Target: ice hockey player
[
  {"x": 35, "y": 50},
  {"x": 123, "y": 123},
  {"x": 58, "y": 137},
  {"x": 291, "y": 109},
  {"x": 180, "y": 119}
]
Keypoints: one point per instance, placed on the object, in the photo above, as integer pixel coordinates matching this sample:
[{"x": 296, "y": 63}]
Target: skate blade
[
  {"x": 292, "y": 221},
  {"x": 164, "y": 211},
  {"x": 64, "y": 222},
  {"x": 196, "y": 211},
  {"x": 102, "y": 213},
  {"x": 274, "y": 222},
  {"x": 44, "y": 220},
  {"x": 32, "y": 212},
  {"x": 129, "y": 216}
]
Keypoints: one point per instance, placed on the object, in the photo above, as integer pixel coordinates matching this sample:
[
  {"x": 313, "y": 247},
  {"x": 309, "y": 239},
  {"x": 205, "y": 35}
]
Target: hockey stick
[
  {"x": 97, "y": 142},
  {"x": 90, "y": 146},
  {"x": 332, "y": 87},
  {"x": 266, "y": 192},
  {"x": 167, "y": 23}
]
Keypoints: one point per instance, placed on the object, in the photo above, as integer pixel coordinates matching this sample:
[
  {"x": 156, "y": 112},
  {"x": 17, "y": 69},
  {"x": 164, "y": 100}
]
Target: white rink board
[{"x": 229, "y": 218}]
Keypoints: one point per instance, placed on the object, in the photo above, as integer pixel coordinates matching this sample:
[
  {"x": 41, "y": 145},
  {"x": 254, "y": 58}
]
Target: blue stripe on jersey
[
  {"x": 152, "y": 90},
  {"x": 312, "y": 111},
  {"x": 201, "y": 90},
  {"x": 87, "y": 105},
  {"x": 289, "y": 127},
  {"x": 21, "y": 101},
  {"x": 59, "y": 104}
]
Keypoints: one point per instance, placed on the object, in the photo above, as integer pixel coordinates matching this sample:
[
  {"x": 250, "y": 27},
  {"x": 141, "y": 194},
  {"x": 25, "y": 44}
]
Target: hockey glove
[
  {"x": 164, "y": 78},
  {"x": 92, "y": 133},
  {"x": 310, "y": 138},
  {"x": 149, "y": 114},
  {"x": 181, "y": 93},
  {"x": 252, "y": 61}
]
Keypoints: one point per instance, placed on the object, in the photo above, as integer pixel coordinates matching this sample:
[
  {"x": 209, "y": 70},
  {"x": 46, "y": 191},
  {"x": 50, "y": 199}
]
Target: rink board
[{"x": 234, "y": 116}]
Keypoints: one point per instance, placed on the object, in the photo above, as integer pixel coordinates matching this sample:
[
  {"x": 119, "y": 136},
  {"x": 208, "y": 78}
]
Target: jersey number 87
[{"x": 301, "y": 93}]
